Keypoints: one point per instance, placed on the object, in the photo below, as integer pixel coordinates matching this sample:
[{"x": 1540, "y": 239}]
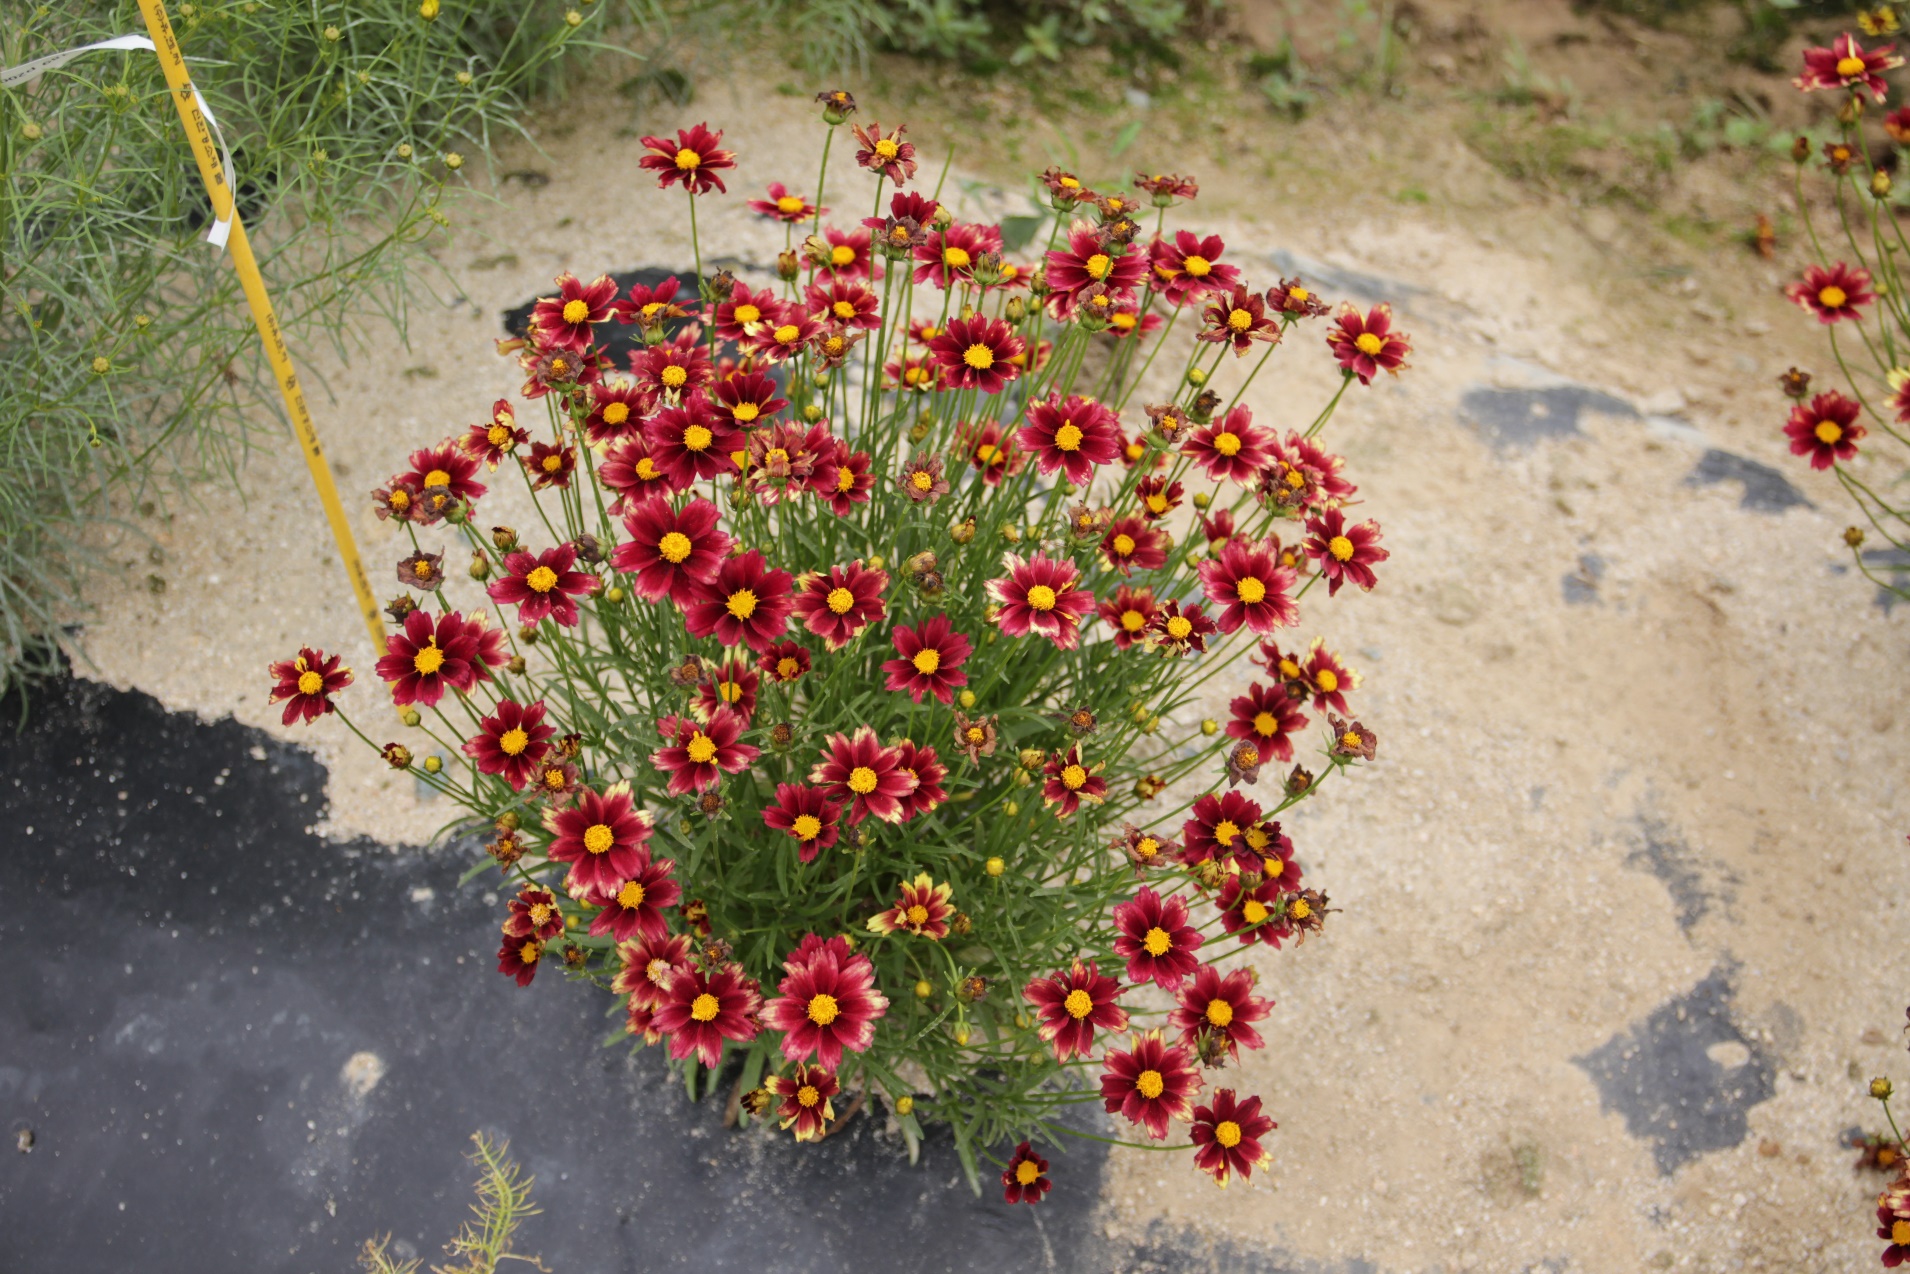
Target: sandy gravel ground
[{"x": 1637, "y": 827}]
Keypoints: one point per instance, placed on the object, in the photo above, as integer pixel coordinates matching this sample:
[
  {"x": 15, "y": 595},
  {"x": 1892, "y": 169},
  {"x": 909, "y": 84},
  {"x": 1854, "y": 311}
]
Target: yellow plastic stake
[{"x": 212, "y": 171}]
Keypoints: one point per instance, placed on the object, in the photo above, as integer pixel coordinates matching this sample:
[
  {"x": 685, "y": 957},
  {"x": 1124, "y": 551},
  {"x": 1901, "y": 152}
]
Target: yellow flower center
[
  {"x": 647, "y": 469},
  {"x": 674, "y": 546},
  {"x": 787, "y": 334},
  {"x": 1041, "y": 597},
  {"x": 917, "y": 914},
  {"x": 1133, "y": 621},
  {"x": 1299, "y": 294},
  {"x": 1900, "y": 1233},
  {"x": 540, "y": 914},
  {"x": 1341, "y": 548},
  {"x": 687, "y": 159},
  {"x": 790, "y": 204},
  {"x": 1150, "y": 1085},
  {"x": 807, "y": 827},
  {"x": 823, "y": 1009},
  {"x": 1227, "y": 1133},
  {"x": 840, "y": 601},
  {"x": 310, "y": 683},
  {"x": 729, "y": 691},
  {"x": 862, "y": 780},
  {"x": 1227, "y": 443},
  {"x": 922, "y": 480},
  {"x": 576, "y": 311},
  {"x": 1073, "y": 777},
  {"x": 630, "y": 897},
  {"x": 1351, "y": 741},
  {"x": 598, "y": 838},
  {"x": 701, "y": 749},
  {"x": 529, "y": 952},
  {"x": 955, "y": 258},
  {"x": 1079, "y": 1004},
  {"x": 746, "y": 314},
  {"x": 842, "y": 254},
  {"x": 808, "y": 1095},
  {"x": 1850, "y": 66},
  {"x": 1251, "y": 591},
  {"x": 1199, "y": 267},
  {"x": 1369, "y": 344},
  {"x": 428, "y": 660},
  {"x": 1179, "y": 627},
  {"x": 1239, "y": 320},
  {"x": 673, "y": 377},
  {"x": 1253, "y": 911},
  {"x": 977, "y": 735},
  {"x": 1220, "y": 1013},
  {"x": 1124, "y": 545},
  {"x": 437, "y": 478},
  {"x": 1327, "y": 680},
  {"x": 1266, "y": 724},
  {"x": 1026, "y": 1172},
  {"x": 1828, "y": 432},
  {"x": 887, "y": 148},
  {"x": 513, "y": 741},
  {"x": 541, "y": 580},
  {"x": 927, "y": 660},
  {"x": 1299, "y": 909},
  {"x": 742, "y": 603},
  {"x": 988, "y": 453},
  {"x": 704, "y": 1008},
  {"x": 979, "y": 357},
  {"x": 552, "y": 463},
  {"x": 1157, "y": 942},
  {"x": 613, "y": 413},
  {"x": 1147, "y": 847},
  {"x": 697, "y": 438},
  {"x": 787, "y": 668},
  {"x": 1157, "y": 504},
  {"x": 1099, "y": 265}
]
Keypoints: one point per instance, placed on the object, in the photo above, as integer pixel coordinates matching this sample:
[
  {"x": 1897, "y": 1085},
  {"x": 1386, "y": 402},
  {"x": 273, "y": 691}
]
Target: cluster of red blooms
[{"x": 730, "y": 399}]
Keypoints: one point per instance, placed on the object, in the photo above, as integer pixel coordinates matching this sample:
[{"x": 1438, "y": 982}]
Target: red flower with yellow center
[
  {"x": 1126, "y": 319},
  {"x": 808, "y": 815},
  {"x": 617, "y": 409},
  {"x": 1292, "y": 297},
  {"x": 1268, "y": 718},
  {"x": 747, "y": 604},
  {"x": 802, "y": 1099},
  {"x": 674, "y": 367},
  {"x": 550, "y": 465},
  {"x": 1157, "y": 497},
  {"x": 990, "y": 451},
  {"x": 493, "y": 441},
  {"x": 977, "y": 353},
  {"x": 1223, "y": 1009},
  {"x": 1345, "y": 554},
  {"x": 445, "y": 468},
  {"x": 307, "y": 683},
  {"x": 1025, "y": 1179},
  {"x": 565, "y": 321},
  {"x": 651, "y": 307},
  {"x": 671, "y": 551},
  {"x": 1177, "y": 630},
  {"x": 785, "y": 338},
  {"x": 945, "y": 256},
  {"x": 743, "y": 315},
  {"x": 648, "y": 964},
  {"x": 911, "y": 375},
  {"x": 1833, "y": 294},
  {"x": 1847, "y": 64},
  {"x": 634, "y": 909},
  {"x": 1071, "y": 1003},
  {"x": 1216, "y": 827},
  {"x": 518, "y": 958},
  {"x": 828, "y": 1004},
  {"x": 543, "y": 587},
  {"x": 843, "y": 479},
  {"x": 785, "y": 206},
  {"x": 920, "y": 763},
  {"x": 837, "y": 605},
  {"x": 1166, "y": 188},
  {"x": 747, "y": 398},
  {"x": 1073, "y": 434},
  {"x": 931, "y": 658},
  {"x": 1227, "y": 1135},
  {"x": 1144, "y": 849},
  {"x": 1323, "y": 675},
  {"x": 922, "y": 909},
  {"x": 922, "y": 480},
  {"x": 1068, "y": 781},
  {"x": 700, "y": 1010},
  {"x": 510, "y": 742},
  {"x": 1128, "y": 613},
  {"x": 783, "y": 662},
  {"x": 844, "y": 303},
  {"x": 1090, "y": 260},
  {"x": 533, "y": 914},
  {"x": 1041, "y": 595},
  {"x": 693, "y": 160},
  {"x": 858, "y": 769},
  {"x": 603, "y": 837},
  {"x": 398, "y": 499},
  {"x": 1153, "y": 936},
  {"x": 891, "y": 156},
  {"x": 424, "y": 658},
  {"x": 1150, "y": 1085},
  {"x": 1132, "y": 544},
  {"x": 629, "y": 470},
  {"x": 699, "y": 754},
  {"x": 847, "y": 254},
  {"x": 1231, "y": 448},
  {"x": 692, "y": 441},
  {"x": 1238, "y": 320},
  {"x": 1827, "y": 430},
  {"x": 1249, "y": 588},
  {"x": 1367, "y": 346},
  {"x": 732, "y": 685},
  {"x": 1188, "y": 267},
  {"x": 1251, "y": 908}
]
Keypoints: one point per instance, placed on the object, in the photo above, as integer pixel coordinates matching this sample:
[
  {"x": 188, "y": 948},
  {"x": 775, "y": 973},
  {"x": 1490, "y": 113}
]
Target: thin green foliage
[{"x": 487, "y": 1239}]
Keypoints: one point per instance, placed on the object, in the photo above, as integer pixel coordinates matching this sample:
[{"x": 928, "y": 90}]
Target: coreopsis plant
[
  {"x": 1855, "y": 290},
  {"x": 828, "y": 712}
]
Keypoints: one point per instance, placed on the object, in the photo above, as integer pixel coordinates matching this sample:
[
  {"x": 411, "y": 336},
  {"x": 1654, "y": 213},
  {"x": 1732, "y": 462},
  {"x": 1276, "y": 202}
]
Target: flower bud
[
  {"x": 1880, "y": 184},
  {"x": 788, "y": 266},
  {"x": 504, "y": 537},
  {"x": 918, "y": 431},
  {"x": 837, "y": 106},
  {"x": 968, "y": 699},
  {"x": 961, "y": 1035},
  {"x": 1196, "y": 377},
  {"x": 480, "y": 566},
  {"x": 1801, "y": 150},
  {"x": 924, "y": 988},
  {"x": 614, "y": 595},
  {"x": 1880, "y": 1089},
  {"x": 1210, "y": 727},
  {"x": 453, "y": 160},
  {"x": 433, "y": 764},
  {"x": 994, "y": 866},
  {"x": 876, "y": 561},
  {"x": 410, "y": 717},
  {"x": 962, "y": 532},
  {"x": 1015, "y": 311},
  {"x": 428, "y": 9},
  {"x": 516, "y": 666},
  {"x": 1031, "y": 758},
  {"x": 1202, "y": 499},
  {"x": 397, "y": 756},
  {"x": 1011, "y": 533},
  {"x": 1011, "y": 809},
  {"x": 905, "y": 1105},
  {"x": 782, "y": 736},
  {"x": 1851, "y": 111}
]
